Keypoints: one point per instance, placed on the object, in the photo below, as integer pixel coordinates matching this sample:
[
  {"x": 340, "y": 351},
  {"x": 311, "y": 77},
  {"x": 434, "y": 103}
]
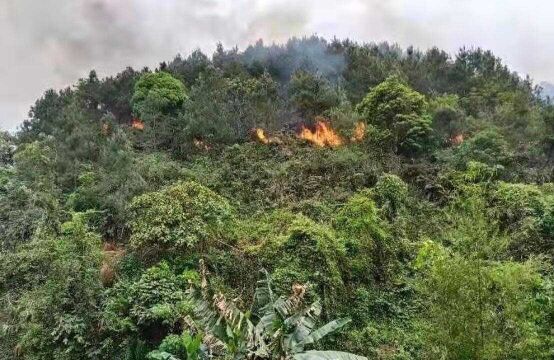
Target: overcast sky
[{"x": 51, "y": 43}]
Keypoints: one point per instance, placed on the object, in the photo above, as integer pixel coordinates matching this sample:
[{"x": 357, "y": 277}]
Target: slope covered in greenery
[{"x": 312, "y": 201}]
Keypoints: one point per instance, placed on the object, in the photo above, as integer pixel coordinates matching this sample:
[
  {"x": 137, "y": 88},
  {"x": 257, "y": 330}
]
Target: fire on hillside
[
  {"x": 320, "y": 134},
  {"x": 137, "y": 123}
]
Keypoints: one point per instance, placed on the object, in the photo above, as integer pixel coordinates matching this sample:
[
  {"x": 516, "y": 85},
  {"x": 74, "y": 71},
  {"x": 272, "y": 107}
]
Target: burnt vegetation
[{"x": 309, "y": 201}]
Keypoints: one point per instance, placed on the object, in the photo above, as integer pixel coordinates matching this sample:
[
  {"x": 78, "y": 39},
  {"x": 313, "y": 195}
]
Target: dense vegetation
[{"x": 180, "y": 213}]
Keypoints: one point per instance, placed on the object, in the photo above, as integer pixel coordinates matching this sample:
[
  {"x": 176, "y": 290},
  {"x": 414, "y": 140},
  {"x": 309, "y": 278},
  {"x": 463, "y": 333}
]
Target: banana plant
[
  {"x": 183, "y": 347},
  {"x": 275, "y": 327}
]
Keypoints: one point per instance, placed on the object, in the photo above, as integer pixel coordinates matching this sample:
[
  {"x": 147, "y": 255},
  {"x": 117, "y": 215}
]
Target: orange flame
[
  {"x": 359, "y": 132},
  {"x": 322, "y": 135},
  {"x": 137, "y": 123},
  {"x": 259, "y": 135}
]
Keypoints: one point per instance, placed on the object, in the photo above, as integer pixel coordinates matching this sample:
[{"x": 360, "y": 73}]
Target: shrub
[
  {"x": 50, "y": 290},
  {"x": 390, "y": 193},
  {"x": 387, "y": 100},
  {"x": 367, "y": 241},
  {"x": 155, "y": 296},
  {"x": 483, "y": 309},
  {"x": 488, "y": 147},
  {"x": 312, "y": 94},
  {"x": 180, "y": 216},
  {"x": 526, "y": 213},
  {"x": 304, "y": 252},
  {"x": 393, "y": 106},
  {"x": 224, "y": 110},
  {"x": 513, "y": 202}
]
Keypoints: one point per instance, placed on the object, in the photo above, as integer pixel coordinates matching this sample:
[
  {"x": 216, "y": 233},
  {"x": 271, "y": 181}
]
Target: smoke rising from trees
[{"x": 51, "y": 43}]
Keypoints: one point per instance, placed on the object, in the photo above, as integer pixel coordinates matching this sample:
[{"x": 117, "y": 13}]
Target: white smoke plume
[{"x": 51, "y": 43}]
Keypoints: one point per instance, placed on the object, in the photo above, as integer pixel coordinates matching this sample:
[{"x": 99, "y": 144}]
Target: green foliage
[
  {"x": 525, "y": 212},
  {"x": 190, "y": 68},
  {"x": 7, "y": 148},
  {"x": 395, "y": 107},
  {"x": 368, "y": 242},
  {"x": 311, "y": 94},
  {"x": 488, "y": 147},
  {"x": 391, "y": 193},
  {"x": 448, "y": 118},
  {"x": 447, "y": 259},
  {"x": 157, "y": 297},
  {"x": 158, "y": 169},
  {"x": 174, "y": 347},
  {"x": 224, "y": 110},
  {"x": 268, "y": 177},
  {"x": 109, "y": 189},
  {"x": 157, "y": 93},
  {"x": 45, "y": 115},
  {"x": 52, "y": 315},
  {"x": 478, "y": 309},
  {"x": 478, "y": 304},
  {"x": 326, "y": 355},
  {"x": 312, "y": 254},
  {"x": 477, "y": 172},
  {"x": 28, "y": 200},
  {"x": 386, "y": 101},
  {"x": 24, "y": 211},
  {"x": 35, "y": 164},
  {"x": 517, "y": 201},
  {"x": 413, "y": 133},
  {"x": 285, "y": 326},
  {"x": 183, "y": 215}
]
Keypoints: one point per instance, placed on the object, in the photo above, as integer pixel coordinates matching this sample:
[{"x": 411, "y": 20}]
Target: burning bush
[
  {"x": 457, "y": 139},
  {"x": 137, "y": 123},
  {"x": 321, "y": 135},
  {"x": 260, "y": 136}
]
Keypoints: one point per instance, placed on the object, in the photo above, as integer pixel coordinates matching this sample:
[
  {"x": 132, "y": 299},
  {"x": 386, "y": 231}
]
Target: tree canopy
[{"x": 157, "y": 92}]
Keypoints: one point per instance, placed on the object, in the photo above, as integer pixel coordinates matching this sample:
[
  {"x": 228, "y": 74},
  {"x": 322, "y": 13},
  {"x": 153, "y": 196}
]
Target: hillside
[{"x": 283, "y": 202}]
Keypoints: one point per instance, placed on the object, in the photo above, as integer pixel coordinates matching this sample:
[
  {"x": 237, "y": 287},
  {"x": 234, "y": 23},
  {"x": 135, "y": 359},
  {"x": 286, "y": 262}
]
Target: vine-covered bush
[{"x": 180, "y": 216}]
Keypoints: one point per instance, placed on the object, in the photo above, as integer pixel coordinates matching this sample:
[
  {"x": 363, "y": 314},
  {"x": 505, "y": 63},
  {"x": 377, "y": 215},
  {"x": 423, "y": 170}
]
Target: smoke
[
  {"x": 73, "y": 36},
  {"x": 51, "y": 43},
  {"x": 310, "y": 54}
]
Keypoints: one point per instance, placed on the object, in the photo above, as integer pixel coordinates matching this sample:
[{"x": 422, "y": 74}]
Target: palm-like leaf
[
  {"x": 206, "y": 317},
  {"x": 323, "y": 331},
  {"x": 227, "y": 323},
  {"x": 283, "y": 328},
  {"x": 161, "y": 355},
  {"x": 303, "y": 322},
  {"x": 263, "y": 309},
  {"x": 263, "y": 296},
  {"x": 327, "y": 355},
  {"x": 287, "y": 307}
]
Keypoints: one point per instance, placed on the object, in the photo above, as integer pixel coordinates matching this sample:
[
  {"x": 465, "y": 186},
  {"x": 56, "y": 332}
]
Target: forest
[{"x": 312, "y": 200}]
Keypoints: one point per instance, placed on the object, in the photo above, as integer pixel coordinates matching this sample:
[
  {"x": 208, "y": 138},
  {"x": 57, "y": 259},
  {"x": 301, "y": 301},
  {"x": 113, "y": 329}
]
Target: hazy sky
[{"x": 51, "y": 43}]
